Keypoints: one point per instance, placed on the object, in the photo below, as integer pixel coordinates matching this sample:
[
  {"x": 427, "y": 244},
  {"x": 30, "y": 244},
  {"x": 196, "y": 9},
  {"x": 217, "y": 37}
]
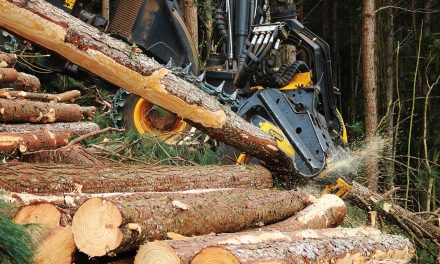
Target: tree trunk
[
  {"x": 7, "y": 60},
  {"x": 128, "y": 221},
  {"x": 357, "y": 249},
  {"x": 76, "y": 128},
  {"x": 76, "y": 155},
  {"x": 183, "y": 251},
  {"x": 26, "y": 82},
  {"x": 112, "y": 60},
  {"x": 370, "y": 88},
  {"x": 69, "y": 96},
  {"x": 389, "y": 86},
  {"x": 22, "y": 111},
  {"x": 8, "y": 75},
  {"x": 327, "y": 211},
  {"x": 368, "y": 199},
  {"x": 31, "y": 141},
  {"x": 189, "y": 13},
  {"x": 105, "y": 13},
  {"x": 56, "y": 179}
]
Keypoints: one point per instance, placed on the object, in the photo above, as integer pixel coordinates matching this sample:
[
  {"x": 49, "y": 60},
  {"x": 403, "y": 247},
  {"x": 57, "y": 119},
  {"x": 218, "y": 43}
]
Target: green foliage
[{"x": 16, "y": 246}]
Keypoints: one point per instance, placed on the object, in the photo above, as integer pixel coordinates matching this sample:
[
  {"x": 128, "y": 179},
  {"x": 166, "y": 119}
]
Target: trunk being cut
[
  {"x": 112, "y": 60},
  {"x": 35, "y": 178},
  {"x": 357, "y": 249},
  {"x": 23, "y": 111},
  {"x": 76, "y": 128},
  {"x": 26, "y": 82},
  {"x": 7, "y": 60},
  {"x": 183, "y": 251},
  {"x": 74, "y": 155},
  {"x": 8, "y": 75},
  {"x": 11, "y": 143},
  {"x": 125, "y": 222},
  {"x": 63, "y": 97}
]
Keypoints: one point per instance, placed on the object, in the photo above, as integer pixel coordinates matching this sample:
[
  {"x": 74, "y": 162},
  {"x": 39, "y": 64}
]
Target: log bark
[
  {"x": 52, "y": 179},
  {"x": 69, "y": 96},
  {"x": 327, "y": 211},
  {"x": 370, "y": 200},
  {"x": 7, "y": 60},
  {"x": 112, "y": 60},
  {"x": 15, "y": 143},
  {"x": 26, "y": 82},
  {"x": 326, "y": 250},
  {"x": 76, "y": 155},
  {"x": 183, "y": 251},
  {"x": 23, "y": 111},
  {"x": 76, "y": 128},
  {"x": 125, "y": 222},
  {"x": 189, "y": 13},
  {"x": 8, "y": 75}
]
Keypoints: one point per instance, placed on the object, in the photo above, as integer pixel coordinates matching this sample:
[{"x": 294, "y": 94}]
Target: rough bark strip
[
  {"x": 26, "y": 82},
  {"x": 23, "y": 111},
  {"x": 8, "y": 75},
  {"x": 183, "y": 251},
  {"x": 50, "y": 178},
  {"x": 323, "y": 251},
  {"x": 123, "y": 223},
  {"x": 104, "y": 56},
  {"x": 76, "y": 155},
  {"x": 29, "y": 142},
  {"x": 7, "y": 60},
  {"x": 76, "y": 128},
  {"x": 56, "y": 98}
]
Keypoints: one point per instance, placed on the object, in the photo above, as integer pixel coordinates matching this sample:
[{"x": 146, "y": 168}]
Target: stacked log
[{"x": 7, "y": 60}]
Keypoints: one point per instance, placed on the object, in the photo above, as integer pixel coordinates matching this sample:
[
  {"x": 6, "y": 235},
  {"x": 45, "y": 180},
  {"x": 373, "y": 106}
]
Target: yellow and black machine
[{"x": 293, "y": 99}]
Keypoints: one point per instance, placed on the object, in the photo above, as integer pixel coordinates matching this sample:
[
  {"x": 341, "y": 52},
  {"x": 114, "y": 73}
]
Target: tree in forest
[
  {"x": 189, "y": 13},
  {"x": 370, "y": 85}
]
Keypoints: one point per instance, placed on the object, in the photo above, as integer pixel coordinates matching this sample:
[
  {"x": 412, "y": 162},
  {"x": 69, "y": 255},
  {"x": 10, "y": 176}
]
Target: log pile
[{"x": 34, "y": 126}]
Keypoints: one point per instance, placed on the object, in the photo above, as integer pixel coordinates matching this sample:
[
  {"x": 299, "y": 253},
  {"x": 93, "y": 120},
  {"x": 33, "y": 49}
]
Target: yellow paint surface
[{"x": 52, "y": 36}]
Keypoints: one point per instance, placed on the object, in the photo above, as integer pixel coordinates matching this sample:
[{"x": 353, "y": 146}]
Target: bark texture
[
  {"x": 28, "y": 142},
  {"x": 128, "y": 221},
  {"x": 112, "y": 60},
  {"x": 74, "y": 155},
  {"x": 183, "y": 251},
  {"x": 63, "y": 97},
  {"x": 52, "y": 179},
  {"x": 189, "y": 13},
  {"x": 23, "y": 111},
  {"x": 370, "y": 85},
  {"x": 409, "y": 221},
  {"x": 76, "y": 128},
  {"x": 327, "y": 250},
  {"x": 7, "y": 60},
  {"x": 327, "y": 211},
  {"x": 26, "y": 82},
  {"x": 8, "y": 75}
]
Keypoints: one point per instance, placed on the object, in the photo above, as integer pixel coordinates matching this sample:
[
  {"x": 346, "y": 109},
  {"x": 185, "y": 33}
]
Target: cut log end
[
  {"x": 57, "y": 247},
  {"x": 44, "y": 214},
  {"x": 96, "y": 227},
  {"x": 215, "y": 255},
  {"x": 157, "y": 252}
]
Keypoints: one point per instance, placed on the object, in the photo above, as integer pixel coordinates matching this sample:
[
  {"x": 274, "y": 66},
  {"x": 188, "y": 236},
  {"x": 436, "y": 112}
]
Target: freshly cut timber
[
  {"x": 358, "y": 249},
  {"x": 58, "y": 247},
  {"x": 117, "y": 224},
  {"x": 63, "y": 97},
  {"x": 112, "y": 60},
  {"x": 26, "y": 82},
  {"x": 8, "y": 75},
  {"x": 77, "y": 128},
  {"x": 7, "y": 60},
  {"x": 44, "y": 214},
  {"x": 368, "y": 199},
  {"x": 11, "y": 143},
  {"x": 74, "y": 155},
  {"x": 23, "y": 111},
  {"x": 35, "y": 178},
  {"x": 183, "y": 251},
  {"x": 327, "y": 211}
]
